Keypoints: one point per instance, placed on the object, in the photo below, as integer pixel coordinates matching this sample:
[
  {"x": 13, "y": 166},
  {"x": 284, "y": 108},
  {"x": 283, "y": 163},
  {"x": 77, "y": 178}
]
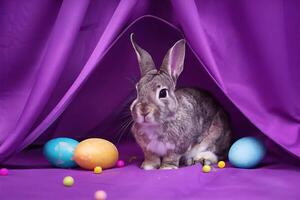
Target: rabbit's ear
[
  {"x": 144, "y": 58},
  {"x": 174, "y": 60}
]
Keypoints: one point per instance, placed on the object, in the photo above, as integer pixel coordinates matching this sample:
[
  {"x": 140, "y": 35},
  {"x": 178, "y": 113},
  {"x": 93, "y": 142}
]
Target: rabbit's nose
[
  {"x": 145, "y": 113},
  {"x": 145, "y": 110}
]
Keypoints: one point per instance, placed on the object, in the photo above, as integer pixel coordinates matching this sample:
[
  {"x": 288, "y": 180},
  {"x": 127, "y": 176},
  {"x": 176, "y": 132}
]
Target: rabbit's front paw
[
  {"x": 149, "y": 165},
  {"x": 168, "y": 166},
  {"x": 206, "y": 158},
  {"x": 171, "y": 161}
]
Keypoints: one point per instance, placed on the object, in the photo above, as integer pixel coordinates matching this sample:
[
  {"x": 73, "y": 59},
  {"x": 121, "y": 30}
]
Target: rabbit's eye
[{"x": 163, "y": 93}]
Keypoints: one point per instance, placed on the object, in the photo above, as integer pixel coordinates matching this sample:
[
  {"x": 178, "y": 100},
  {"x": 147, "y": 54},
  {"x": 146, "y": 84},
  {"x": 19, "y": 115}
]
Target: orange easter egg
[{"x": 94, "y": 152}]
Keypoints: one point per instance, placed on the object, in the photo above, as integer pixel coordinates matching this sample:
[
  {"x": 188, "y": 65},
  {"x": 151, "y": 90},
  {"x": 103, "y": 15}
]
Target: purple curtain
[{"x": 66, "y": 67}]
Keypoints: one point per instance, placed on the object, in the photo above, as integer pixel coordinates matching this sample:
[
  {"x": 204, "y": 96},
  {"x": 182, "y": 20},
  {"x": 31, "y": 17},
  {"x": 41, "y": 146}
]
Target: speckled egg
[
  {"x": 247, "y": 152},
  {"x": 59, "y": 152},
  {"x": 95, "y": 152}
]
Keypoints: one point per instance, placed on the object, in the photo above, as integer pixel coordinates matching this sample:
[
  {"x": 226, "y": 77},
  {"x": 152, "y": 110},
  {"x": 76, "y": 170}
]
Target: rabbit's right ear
[
  {"x": 174, "y": 60},
  {"x": 144, "y": 58}
]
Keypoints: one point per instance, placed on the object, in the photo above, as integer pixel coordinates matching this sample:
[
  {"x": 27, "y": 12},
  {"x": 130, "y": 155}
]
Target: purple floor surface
[{"x": 30, "y": 177}]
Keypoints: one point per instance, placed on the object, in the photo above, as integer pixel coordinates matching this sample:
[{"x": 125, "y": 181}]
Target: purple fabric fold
[
  {"x": 68, "y": 21},
  {"x": 53, "y": 58},
  {"x": 247, "y": 49},
  {"x": 117, "y": 20}
]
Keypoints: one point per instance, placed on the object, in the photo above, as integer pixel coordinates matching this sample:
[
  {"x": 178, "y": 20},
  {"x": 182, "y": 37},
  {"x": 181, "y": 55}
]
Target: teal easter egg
[
  {"x": 59, "y": 152},
  {"x": 247, "y": 152}
]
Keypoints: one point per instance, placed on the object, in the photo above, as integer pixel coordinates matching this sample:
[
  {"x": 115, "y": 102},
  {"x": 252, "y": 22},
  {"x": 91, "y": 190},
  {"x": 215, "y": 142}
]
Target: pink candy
[
  {"x": 120, "y": 163},
  {"x": 3, "y": 172}
]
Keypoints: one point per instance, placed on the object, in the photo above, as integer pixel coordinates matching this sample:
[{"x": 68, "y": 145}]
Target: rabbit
[{"x": 175, "y": 127}]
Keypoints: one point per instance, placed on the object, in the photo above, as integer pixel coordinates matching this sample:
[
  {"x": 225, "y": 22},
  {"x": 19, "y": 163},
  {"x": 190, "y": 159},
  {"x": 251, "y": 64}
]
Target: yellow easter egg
[{"x": 94, "y": 152}]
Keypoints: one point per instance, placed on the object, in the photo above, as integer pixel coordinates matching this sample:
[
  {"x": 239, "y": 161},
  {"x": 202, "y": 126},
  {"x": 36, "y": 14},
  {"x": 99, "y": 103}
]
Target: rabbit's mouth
[
  {"x": 147, "y": 120},
  {"x": 144, "y": 119}
]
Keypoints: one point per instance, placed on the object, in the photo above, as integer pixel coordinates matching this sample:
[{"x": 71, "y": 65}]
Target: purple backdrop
[{"x": 67, "y": 69}]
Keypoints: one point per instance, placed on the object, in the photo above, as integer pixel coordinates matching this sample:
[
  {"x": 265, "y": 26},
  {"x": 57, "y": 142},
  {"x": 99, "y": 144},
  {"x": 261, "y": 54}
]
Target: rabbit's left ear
[
  {"x": 174, "y": 60},
  {"x": 144, "y": 58}
]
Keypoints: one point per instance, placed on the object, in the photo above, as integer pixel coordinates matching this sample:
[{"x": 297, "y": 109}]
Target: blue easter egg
[
  {"x": 247, "y": 152},
  {"x": 59, "y": 152}
]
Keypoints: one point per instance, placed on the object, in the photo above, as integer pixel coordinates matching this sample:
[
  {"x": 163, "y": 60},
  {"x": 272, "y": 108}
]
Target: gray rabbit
[{"x": 174, "y": 126}]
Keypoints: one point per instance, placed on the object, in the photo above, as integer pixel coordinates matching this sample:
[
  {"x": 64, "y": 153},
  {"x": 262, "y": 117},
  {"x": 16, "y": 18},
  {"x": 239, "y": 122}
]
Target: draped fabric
[
  {"x": 67, "y": 68},
  {"x": 57, "y": 64}
]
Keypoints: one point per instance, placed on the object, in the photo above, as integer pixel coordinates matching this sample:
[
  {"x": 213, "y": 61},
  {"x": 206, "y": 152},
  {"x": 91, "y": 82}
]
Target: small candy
[
  {"x": 68, "y": 181},
  {"x": 3, "y": 172},
  {"x": 120, "y": 163},
  {"x": 100, "y": 195},
  {"x": 206, "y": 168},
  {"x": 97, "y": 170},
  {"x": 221, "y": 164}
]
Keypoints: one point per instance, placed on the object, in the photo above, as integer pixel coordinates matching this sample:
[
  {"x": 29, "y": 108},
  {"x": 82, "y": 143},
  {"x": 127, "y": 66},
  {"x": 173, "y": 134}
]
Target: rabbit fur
[{"x": 175, "y": 126}]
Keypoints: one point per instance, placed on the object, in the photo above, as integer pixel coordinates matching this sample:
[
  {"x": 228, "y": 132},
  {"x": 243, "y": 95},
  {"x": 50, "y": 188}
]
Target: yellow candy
[
  {"x": 221, "y": 164},
  {"x": 68, "y": 181},
  {"x": 206, "y": 168},
  {"x": 97, "y": 170}
]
